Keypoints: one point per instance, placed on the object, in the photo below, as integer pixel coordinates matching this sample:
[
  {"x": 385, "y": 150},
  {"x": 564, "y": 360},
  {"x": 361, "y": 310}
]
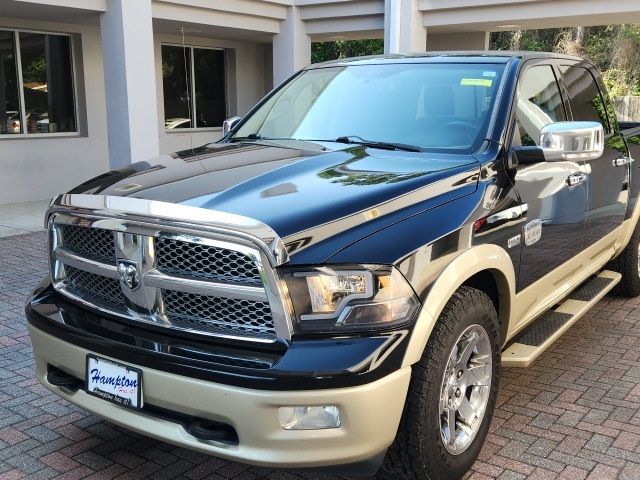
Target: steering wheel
[{"x": 467, "y": 128}]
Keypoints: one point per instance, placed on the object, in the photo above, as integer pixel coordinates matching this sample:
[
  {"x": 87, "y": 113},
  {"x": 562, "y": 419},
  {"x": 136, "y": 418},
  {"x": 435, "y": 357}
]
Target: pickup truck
[{"x": 337, "y": 282}]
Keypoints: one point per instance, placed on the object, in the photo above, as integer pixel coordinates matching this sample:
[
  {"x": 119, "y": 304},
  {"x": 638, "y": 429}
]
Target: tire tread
[{"x": 405, "y": 458}]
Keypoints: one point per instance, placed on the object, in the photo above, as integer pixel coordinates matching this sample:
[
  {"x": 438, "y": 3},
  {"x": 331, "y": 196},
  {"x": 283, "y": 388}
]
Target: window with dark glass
[
  {"x": 584, "y": 95},
  {"x": 176, "y": 79},
  {"x": 539, "y": 104},
  {"x": 36, "y": 83},
  {"x": 194, "y": 87},
  {"x": 9, "y": 98},
  {"x": 47, "y": 83}
]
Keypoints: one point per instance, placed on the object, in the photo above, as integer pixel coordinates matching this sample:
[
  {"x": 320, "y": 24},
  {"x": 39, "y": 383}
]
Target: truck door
[
  {"x": 631, "y": 132},
  {"x": 553, "y": 194},
  {"x": 608, "y": 176}
]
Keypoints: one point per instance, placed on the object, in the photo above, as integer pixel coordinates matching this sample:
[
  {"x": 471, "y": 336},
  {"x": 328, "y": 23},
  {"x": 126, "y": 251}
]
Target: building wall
[
  {"x": 35, "y": 168},
  {"x": 39, "y": 167},
  {"x": 247, "y": 82}
]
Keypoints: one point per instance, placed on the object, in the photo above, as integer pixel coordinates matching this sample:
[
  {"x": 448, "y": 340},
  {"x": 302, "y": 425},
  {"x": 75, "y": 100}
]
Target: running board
[{"x": 547, "y": 328}]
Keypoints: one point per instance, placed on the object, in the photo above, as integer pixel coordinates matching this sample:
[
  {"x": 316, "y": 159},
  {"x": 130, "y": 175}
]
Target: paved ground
[
  {"x": 574, "y": 414},
  {"x": 19, "y": 218}
]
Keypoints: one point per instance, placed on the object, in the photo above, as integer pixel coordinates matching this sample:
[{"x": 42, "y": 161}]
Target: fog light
[{"x": 309, "y": 418}]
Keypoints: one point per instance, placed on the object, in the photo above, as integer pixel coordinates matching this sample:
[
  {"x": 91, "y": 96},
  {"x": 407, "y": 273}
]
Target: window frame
[
  {"x": 192, "y": 87},
  {"x": 74, "y": 87},
  {"x": 608, "y": 129},
  {"x": 523, "y": 68}
]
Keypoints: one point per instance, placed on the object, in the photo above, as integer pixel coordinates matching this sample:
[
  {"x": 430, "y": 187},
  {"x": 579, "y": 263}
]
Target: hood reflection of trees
[{"x": 347, "y": 176}]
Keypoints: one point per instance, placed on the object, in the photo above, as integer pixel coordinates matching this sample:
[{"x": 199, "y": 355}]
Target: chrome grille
[
  {"x": 197, "y": 283},
  {"x": 219, "y": 315},
  {"x": 93, "y": 243},
  {"x": 105, "y": 290},
  {"x": 180, "y": 258}
]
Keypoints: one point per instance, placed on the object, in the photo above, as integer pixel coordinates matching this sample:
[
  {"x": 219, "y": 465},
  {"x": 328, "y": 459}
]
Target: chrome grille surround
[{"x": 237, "y": 295}]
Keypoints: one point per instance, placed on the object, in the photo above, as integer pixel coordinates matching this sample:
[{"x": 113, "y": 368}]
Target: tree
[
  {"x": 324, "y": 51},
  {"x": 615, "y": 49}
]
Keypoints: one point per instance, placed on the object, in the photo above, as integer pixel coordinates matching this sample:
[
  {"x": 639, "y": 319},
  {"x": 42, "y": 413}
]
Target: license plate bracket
[{"x": 114, "y": 382}]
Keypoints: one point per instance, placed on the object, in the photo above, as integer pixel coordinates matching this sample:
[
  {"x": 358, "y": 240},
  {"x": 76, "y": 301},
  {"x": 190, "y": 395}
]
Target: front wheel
[{"x": 452, "y": 393}]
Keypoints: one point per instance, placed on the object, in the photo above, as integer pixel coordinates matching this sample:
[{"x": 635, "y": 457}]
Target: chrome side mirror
[
  {"x": 229, "y": 123},
  {"x": 572, "y": 141}
]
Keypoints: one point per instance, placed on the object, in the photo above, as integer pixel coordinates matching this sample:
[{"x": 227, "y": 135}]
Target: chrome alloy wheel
[{"x": 464, "y": 393}]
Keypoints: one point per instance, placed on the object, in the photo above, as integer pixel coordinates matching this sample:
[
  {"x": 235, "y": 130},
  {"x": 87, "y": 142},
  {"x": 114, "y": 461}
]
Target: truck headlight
[{"x": 340, "y": 298}]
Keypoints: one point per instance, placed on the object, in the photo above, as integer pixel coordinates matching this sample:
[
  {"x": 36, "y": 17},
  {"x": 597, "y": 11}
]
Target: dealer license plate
[{"x": 114, "y": 382}]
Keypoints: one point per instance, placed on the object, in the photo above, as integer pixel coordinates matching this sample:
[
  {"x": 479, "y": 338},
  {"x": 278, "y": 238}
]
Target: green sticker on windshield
[{"x": 476, "y": 82}]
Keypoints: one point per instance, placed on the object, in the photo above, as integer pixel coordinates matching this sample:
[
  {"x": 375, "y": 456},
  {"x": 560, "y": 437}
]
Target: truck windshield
[{"x": 432, "y": 106}]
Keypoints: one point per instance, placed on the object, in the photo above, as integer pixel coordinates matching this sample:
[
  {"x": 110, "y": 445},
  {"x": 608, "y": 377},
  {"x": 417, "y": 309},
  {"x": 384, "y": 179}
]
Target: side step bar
[{"x": 547, "y": 328}]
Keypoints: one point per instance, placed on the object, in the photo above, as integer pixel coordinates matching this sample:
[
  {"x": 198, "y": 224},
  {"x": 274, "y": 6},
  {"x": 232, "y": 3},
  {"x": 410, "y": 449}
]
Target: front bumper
[{"x": 370, "y": 412}]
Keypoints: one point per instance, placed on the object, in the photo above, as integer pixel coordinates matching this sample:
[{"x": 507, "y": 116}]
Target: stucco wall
[{"x": 38, "y": 168}]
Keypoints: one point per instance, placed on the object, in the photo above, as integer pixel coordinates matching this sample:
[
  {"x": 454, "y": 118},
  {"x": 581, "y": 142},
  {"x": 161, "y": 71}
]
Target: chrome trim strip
[
  {"x": 157, "y": 279},
  {"x": 81, "y": 263},
  {"x": 170, "y": 215}
]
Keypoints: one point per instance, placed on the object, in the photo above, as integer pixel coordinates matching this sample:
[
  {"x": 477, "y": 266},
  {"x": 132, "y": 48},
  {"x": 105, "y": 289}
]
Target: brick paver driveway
[{"x": 574, "y": 414}]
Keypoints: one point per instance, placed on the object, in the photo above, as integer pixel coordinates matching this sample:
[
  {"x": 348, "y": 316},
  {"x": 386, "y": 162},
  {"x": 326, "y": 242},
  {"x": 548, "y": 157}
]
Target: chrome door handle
[
  {"x": 576, "y": 179},
  {"x": 622, "y": 161}
]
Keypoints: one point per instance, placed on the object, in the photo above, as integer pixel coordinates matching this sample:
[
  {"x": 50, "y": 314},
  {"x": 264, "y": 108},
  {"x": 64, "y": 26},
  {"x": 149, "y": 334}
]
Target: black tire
[
  {"x": 627, "y": 265},
  {"x": 418, "y": 452}
]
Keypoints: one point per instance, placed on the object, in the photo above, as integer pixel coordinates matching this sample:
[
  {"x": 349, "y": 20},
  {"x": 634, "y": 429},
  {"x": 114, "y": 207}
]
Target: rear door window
[{"x": 586, "y": 100}]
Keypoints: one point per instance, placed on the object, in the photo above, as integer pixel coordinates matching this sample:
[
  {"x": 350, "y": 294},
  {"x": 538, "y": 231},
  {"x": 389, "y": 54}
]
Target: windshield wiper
[
  {"x": 347, "y": 139},
  {"x": 356, "y": 140}
]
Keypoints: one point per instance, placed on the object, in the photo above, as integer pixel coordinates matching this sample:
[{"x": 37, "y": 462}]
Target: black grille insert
[
  {"x": 93, "y": 243},
  {"x": 217, "y": 315},
  {"x": 176, "y": 257},
  {"x": 95, "y": 287}
]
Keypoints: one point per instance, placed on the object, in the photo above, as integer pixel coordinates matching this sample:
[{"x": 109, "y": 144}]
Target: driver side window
[{"x": 539, "y": 103}]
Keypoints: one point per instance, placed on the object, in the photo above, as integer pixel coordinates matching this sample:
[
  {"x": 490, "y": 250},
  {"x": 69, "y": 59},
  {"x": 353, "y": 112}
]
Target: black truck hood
[{"x": 291, "y": 187}]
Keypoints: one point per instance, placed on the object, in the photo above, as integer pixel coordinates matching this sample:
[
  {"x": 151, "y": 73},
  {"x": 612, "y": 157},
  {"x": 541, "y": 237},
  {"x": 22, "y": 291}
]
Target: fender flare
[{"x": 480, "y": 258}]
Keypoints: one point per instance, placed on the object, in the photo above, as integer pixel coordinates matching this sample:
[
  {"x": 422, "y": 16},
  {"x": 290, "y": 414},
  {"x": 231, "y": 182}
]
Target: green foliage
[
  {"x": 35, "y": 70},
  {"x": 615, "y": 49},
  {"x": 324, "y": 51}
]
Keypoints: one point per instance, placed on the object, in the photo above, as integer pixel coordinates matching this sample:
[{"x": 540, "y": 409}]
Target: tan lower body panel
[
  {"x": 370, "y": 413},
  {"x": 536, "y": 299},
  {"x": 521, "y": 355}
]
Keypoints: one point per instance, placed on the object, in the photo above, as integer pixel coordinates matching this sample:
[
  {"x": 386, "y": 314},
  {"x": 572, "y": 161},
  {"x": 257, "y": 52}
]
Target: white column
[
  {"x": 458, "y": 41},
  {"x": 291, "y": 47},
  {"x": 404, "y": 31},
  {"x": 130, "y": 84}
]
